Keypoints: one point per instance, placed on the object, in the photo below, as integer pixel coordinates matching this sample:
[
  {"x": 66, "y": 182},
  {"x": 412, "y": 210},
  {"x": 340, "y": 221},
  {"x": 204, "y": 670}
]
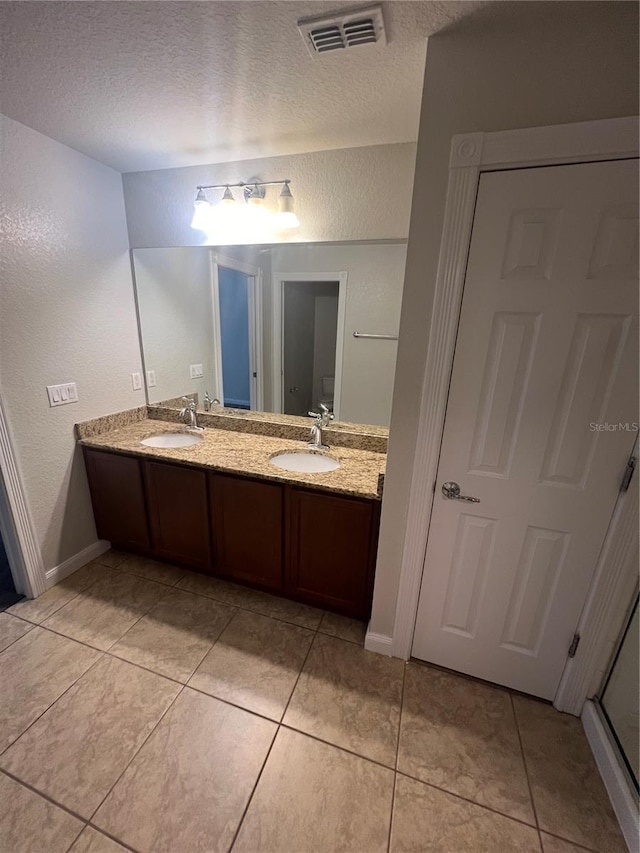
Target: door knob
[
  {"x": 294, "y": 389},
  {"x": 452, "y": 491}
]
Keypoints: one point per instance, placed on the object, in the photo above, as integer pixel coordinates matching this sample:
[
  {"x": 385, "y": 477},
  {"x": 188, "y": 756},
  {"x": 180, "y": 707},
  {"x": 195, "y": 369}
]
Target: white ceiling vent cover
[{"x": 343, "y": 29}]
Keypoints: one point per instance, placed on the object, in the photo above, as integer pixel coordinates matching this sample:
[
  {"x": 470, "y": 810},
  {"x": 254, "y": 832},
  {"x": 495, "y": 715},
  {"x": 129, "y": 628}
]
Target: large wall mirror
[{"x": 278, "y": 328}]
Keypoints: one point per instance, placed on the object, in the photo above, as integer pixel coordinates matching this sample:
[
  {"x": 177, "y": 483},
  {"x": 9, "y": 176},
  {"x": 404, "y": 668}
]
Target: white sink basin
[
  {"x": 305, "y": 462},
  {"x": 172, "y": 439}
]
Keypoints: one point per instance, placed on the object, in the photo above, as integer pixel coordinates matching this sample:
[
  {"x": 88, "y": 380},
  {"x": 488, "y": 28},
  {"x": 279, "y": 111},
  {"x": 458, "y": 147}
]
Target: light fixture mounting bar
[{"x": 243, "y": 184}]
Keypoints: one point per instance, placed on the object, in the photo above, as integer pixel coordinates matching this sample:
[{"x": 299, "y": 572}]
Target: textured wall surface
[
  {"x": 347, "y": 194},
  {"x": 515, "y": 65},
  {"x": 66, "y": 314}
]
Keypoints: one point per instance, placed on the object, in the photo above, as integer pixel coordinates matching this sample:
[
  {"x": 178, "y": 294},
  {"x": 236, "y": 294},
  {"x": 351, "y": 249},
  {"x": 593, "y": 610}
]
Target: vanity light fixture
[{"x": 252, "y": 205}]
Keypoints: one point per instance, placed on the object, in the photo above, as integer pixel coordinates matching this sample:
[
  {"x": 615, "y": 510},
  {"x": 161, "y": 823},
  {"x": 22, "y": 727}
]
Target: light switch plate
[
  {"x": 196, "y": 371},
  {"x": 136, "y": 381},
  {"x": 151, "y": 379},
  {"x": 62, "y": 395}
]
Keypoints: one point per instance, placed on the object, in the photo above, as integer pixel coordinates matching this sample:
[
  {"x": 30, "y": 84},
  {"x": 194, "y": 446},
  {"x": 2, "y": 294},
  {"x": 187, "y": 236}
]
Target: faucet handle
[
  {"x": 326, "y": 414},
  {"x": 189, "y": 402}
]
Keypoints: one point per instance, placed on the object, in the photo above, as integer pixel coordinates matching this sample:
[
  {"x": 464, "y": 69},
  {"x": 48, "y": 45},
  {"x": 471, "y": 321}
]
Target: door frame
[
  {"x": 16, "y": 527},
  {"x": 278, "y": 281},
  {"x": 254, "y": 273},
  {"x": 471, "y": 154}
]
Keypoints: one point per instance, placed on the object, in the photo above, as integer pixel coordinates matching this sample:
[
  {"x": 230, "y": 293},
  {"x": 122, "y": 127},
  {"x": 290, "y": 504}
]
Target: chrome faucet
[
  {"x": 207, "y": 403},
  {"x": 189, "y": 411},
  {"x": 321, "y": 420}
]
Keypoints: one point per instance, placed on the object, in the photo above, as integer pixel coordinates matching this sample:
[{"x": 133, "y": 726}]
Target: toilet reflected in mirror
[{"x": 309, "y": 333}]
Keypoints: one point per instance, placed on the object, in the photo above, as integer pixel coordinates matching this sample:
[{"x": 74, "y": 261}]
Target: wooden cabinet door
[
  {"x": 117, "y": 495},
  {"x": 247, "y": 524},
  {"x": 178, "y": 513},
  {"x": 331, "y": 544}
]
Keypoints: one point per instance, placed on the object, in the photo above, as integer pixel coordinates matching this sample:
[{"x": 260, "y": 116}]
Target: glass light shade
[
  {"x": 201, "y": 213},
  {"x": 286, "y": 217},
  {"x": 227, "y": 198},
  {"x": 285, "y": 200}
]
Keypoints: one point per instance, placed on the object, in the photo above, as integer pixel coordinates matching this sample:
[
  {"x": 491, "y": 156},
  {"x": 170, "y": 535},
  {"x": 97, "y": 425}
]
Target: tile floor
[{"x": 147, "y": 708}]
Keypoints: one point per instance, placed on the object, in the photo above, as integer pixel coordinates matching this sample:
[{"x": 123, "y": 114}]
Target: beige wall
[
  {"x": 66, "y": 314},
  {"x": 346, "y": 194},
  {"x": 175, "y": 299},
  {"x": 375, "y": 274},
  {"x": 512, "y": 65}
]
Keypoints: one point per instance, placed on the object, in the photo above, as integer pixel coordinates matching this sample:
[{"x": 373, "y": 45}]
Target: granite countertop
[{"x": 359, "y": 473}]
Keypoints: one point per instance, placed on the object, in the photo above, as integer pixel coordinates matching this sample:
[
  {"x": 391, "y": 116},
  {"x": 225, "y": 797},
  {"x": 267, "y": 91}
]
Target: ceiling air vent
[{"x": 343, "y": 29}]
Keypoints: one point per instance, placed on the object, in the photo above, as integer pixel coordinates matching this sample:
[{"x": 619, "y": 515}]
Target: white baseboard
[
  {"x": 378, "y": 643},
  {"x": 58, "y": 573},
  {"x": 624, "y": 803}
]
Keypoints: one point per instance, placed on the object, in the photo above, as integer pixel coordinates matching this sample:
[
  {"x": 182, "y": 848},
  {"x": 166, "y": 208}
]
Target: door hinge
[
  {"x": 573, "y": 648},
  {"x": 628, "y": 473}
]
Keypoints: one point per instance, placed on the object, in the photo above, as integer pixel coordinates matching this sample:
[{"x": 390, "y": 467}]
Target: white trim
[
  {"x": 77, "y": 561},
  {"x": 378, "y": 643},
  {"x": 233, "y": 264},
  {"x": 277, "y": 281},
  {"x": 258, "y": 342},
  {"x": 470, "y": 155},
  {"x": 16, "y": 526},
  {"x": 458, "y": 218},
  {"x": 217, "y": 338},
  {"x": 614, "y": 583},
  {"x": 614, "y": 776}
]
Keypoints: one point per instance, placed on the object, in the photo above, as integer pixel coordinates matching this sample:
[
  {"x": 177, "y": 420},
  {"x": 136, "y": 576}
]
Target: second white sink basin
[
  {"x": 305, "y": 462},
  {"x": 172, "y": 439}
]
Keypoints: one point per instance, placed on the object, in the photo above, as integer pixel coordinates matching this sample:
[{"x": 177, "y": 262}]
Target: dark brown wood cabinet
[
  {"x": 117, "y": 495},
  {"x": 312, "y": 546},
  {"x": 178, "y": 513},
  {"x": 331, "y": 549},
  {"x": 247, "y": 520}
]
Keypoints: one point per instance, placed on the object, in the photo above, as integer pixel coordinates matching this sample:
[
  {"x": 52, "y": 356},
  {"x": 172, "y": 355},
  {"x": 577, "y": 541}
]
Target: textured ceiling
[{"x": 152, "y": 85}]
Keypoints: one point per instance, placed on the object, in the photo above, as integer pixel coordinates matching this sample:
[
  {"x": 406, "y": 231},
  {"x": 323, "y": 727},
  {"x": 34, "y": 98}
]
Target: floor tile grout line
[
  {"x": 569, "y": 841},
  {"x": 253, "y": 790},
  {"x": 467, "y": 800},
  {"x": 526, "y": 769},
  {"x": 341, "y": 748},
  {"x": 73, "y": 597},
  {"x": 136, "y": 753},
  {"x": 113, "y": 837},
  {"x": 44, "y": 796},
  {"x": 395, "y": 765},
  {"x": 300, "y": 671},
  {"x": 51, "y": 704},
  {"x": 279, "y": 725},
  {"x": 82, "y": 829},
  {"x": 17, "y": 639}
]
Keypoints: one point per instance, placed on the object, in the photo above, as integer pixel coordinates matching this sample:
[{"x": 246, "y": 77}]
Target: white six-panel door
[{"x": 547, "y": 350}]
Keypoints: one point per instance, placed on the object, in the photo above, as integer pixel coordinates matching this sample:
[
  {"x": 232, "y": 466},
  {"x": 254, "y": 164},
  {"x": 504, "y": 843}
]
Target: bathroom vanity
[{"x": 222, "y": 508}]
